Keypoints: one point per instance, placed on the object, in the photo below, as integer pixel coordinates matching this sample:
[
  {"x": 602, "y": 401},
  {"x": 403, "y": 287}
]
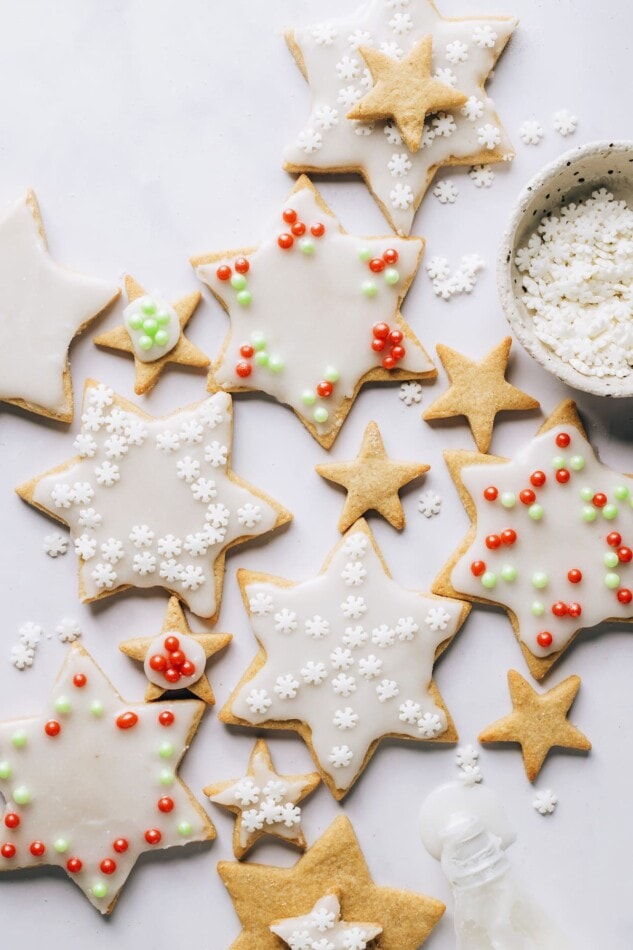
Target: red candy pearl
[
  {"x": 562, "y": 476},
  {"x": 527, "y": 496},
  {"x": 381, "y": 330},
  {"x": 298, "y": 228},
  {"x": 317, "y": 230},
  {"x": 153, "y": 836},
  {"x": 171, "y": 644},
  {"x": 574, "y": 610},
  {"x": 52, "y": 728},
  {"x": 508, "y": 536},
  {"x": 574, "y": 576},
  {"x": 544, "y": 638},
  {"x": 538, "y": 478},
  {"x": 563, "y": 440},
  {"x": 599, "y": 499},
  {"x": 285, "y": 241},
  {"x": 614, "y": 539},
  {"x": 624, "y": 595},
  {"x": 478, "y": 568},
  {"x": 396, "y": 336},
  {"x": 166, "y": 718},
  {"x": 378, "y": 345},
  {"x": 172, "y": 675},
  {"x": 388, "y": 362},
  {"x": 377, "y": 265},
  {"x": 74, "y": 865},
  {"x": 223, "y": 272},
  {"x": 107, "y": 866},
  {"x": 120, "y": 845},
  {"x": 127, "y": 720},
  {"x": 559, "y": 609},
  {"x": 11, "y": 820},
  {"x": 37, "y": 848},
  {"x": 491, "y": 493},
  {"x": 247, "y": 351},
  {"x": 324, "y": 389},
  {"x": 177, "y": 658},
  {"x": 398, "y": 352},
  {"x": 80, "y": 680},
  {"x": 157, "y": 663},
  {"x": 493, "y": 541},
  {"x": 165, "y": 804},
  {"x": 390, "y": 256},
  {"x": 7, "y": 850},
  {"x": 243, "y": 370},
  {"x": 188, "y": 668},
  {"x": 625, "y": 554},
  {"x": 289, "y": 216},
  {"x": 242, "y": 266}
]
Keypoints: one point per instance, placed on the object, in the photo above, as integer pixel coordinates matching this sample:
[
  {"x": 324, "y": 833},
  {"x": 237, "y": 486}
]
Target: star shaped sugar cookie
[
  {"x": 345, "y": 659},
  {"x": 372, "y": 481},
  {"x": 538, "y": 722},
  {"x": 153, "y": 502},
  {"x": 153, "y": 332},
  {"x": 90, "y": 783},
  {"x": 263, "y": 802},
  {"x": 176, "y": 658},
  {"x": 421, "y": 114},
  {"x": 323, "y": 926},
  {"x": 43, "y": 306},
  {"x": 478, "y": 391},
  {"x": 551, "y": 539},
  {"x": 315, "y": 313},
  {"x": 265, "y": 895}
]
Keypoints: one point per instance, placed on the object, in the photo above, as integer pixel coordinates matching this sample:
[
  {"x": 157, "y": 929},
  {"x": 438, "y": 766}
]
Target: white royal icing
[
  {"x": 323, "y": 929},
  {"x": 42, "y": 307},
  {"x": 548, "y": 547},
  {"x": 464, "y": 52},
  {"x": 93, "y": 783},
  {"x": 355, "y": 665},
  {"x": 312, "y": 313},
  {"x": 153, "y": 327},
  {"x": 149, "y": 502},
  {"x": 193, "y": 652}
]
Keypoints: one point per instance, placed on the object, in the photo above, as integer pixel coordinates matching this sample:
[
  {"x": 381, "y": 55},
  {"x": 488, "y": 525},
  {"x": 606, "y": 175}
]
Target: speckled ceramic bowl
[{"x": 572, "y": 176}]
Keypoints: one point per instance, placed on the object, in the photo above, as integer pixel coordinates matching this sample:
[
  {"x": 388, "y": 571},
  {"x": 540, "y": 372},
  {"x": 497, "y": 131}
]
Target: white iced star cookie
[
  {"x": 42, "y": 307},
  {"x": 90, "y": 783},
  {"x": 315, "y": 313},
  {"x": 153, "y": 502},
  {"x": 263, "y": 802},
  {"x": 323, "y": 929},
  {"x": 345, "y": 659},
  {"x": 330, "y": 56},
  {"x": 551, "y": 539}
]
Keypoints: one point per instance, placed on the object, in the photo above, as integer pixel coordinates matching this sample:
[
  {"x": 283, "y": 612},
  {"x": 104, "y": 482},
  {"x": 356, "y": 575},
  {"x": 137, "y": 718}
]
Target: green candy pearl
[
  {"x": 539, "y": 579},
  {"x": 364, "y": 254},
  {"x": 167, "y": 777},
  {"x": 489, "y": 579},
  {"x": 537, "y": 608},
  {"x": 5, "y": 770},
  {"x": 61, "y": 845},
  {"x": 149, "y": 308},
  {"x": 391, "y": 276},
  {"x": 150, "y": 326},
  {"x": 238, "y": 282},
  {"x": 331, "y": 375},
  {"x": 611, "y": 559},
  {"x": 508, "y": 499},
  {"x": 145, "y": 342},
  {"x": 370, "y": 288},
  {"x": 262, "y": 358},
  {"x": 535, "y": 512},
  {"x": 306, "y": 245},
  {"x": 621, "y": 492},
  {"x": 244, "y": 297},
  {"x": 577, "y": 463},
  {"x": 588, "y": 513},
  {"x": 586, "y": 494},
  {"x": 321, "y": 414},
  {"x": 509, "y": 572},
  {"x": 96, "y": 708},
  {"x": 136, "y": 321},
  {"x": 166, "y": 750},
  {"x": 99, "y": 889},
  {"x": 163, "y": 318},
  {"x": 559, "y": 461},
  {"x": 259, "y": 341},
  {"x": 185, "y": 828},
  {"x": 612, "y": 580},
  {"x": 62, "y": 705},
  {"x": 21, "y": 795},
  {"x": 18, "y": 739},
  {"x": 308, "y": 398},
  {"x": 275, "y": 364},
  {"x": 161, "y": 338},
  {"x": 610, "y": 512}
]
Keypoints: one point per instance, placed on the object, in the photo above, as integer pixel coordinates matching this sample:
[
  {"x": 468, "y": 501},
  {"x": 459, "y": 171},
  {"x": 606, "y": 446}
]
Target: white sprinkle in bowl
[{"x": 571, "y": 177}]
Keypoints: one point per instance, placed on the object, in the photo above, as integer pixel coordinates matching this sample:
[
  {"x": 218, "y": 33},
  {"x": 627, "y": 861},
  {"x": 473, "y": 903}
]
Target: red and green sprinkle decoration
[
  {"x": 298, "y": 230},
  {"x": 237, "y": 278}
]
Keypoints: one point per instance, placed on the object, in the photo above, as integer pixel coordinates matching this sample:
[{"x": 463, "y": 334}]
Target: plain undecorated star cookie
[
  {"x": 398, "y": 92},
  {"x": 90, "y": 783},
  {"x": 153, "y": 332},
  {"x": 43, "y": 306},
  {"x": 176, "y": 658},
  {"x": 478, "y": 391},
  {"x": 538, "y": 722},
  {"x": 315, "y": 313},
  {"x": 265, "y": 895},
  {"x": 345, "y": 659},
  {"x": 551, "y": 539},
  {"x": 264, "y": 802},
  {"x": 153, "y": 502},
  {"x": 372, "y": 481}
]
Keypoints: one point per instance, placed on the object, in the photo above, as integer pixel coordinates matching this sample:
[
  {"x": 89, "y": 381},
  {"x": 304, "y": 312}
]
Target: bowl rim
[{"x": 619, "y": 388}]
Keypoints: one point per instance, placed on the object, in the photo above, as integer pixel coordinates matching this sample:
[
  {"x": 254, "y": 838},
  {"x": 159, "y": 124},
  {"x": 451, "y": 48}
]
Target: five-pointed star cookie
[
  {"x": 538, "y": 721},
  {"x": 323, "y": 926},
  {"x": 166, "y": 341},
  {"x": 263, "y": 802},
  {"x": 90, "y": 783},
  {"x": 387, "y": 98},
  {"x": 315, "y": 313},
  {"x": 478, "y": 391},
  {"x": 334, "y": 57},
  {"x": 372, "y": 481},
  {"x": 551, "y": 539},
  {"x": 263, "y": 894},
  {"x": 345, "y": 659},
  {"x": 153, "y": 502},
  {"x": 176, "y": 642},
  {"x": 42, "y": 307}
]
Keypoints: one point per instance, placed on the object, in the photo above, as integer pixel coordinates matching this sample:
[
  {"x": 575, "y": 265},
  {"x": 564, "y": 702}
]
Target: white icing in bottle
[{"x": 467, "y": 830}]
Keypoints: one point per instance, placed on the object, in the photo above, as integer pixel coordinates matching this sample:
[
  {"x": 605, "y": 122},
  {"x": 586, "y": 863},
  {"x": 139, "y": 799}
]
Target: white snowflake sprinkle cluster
[
  {"x": 429, "y": 504},
  {"x": 545, "y": 802},
  {"x": 446, "y": 191},
  {"x": 269, "y": 808},
  {"x": 323, "y": 929},
  {"x": 462, "y": 280},
  {"x": 577, "y": 282},
  {"x": 410, "y": 393},
  {"x": 466, "y": 759},
  {"x": 22, "y": 653},
  {"x": 531, "y": 132},
  {"x": 55, "y": 544}
]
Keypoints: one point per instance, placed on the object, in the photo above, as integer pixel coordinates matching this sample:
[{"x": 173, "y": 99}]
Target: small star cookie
[
  {"x": 323, "y": 927},
  {"x": 372, "y": 481},
  {"x": 263, "y": 802},
  {"x": 538, "y": 722},
  {"x": 264, "y": 896},
  {"x": 153, "y": 332},
  {"x": 478, "y": 391},
  {"x": 176, "y": 659}
]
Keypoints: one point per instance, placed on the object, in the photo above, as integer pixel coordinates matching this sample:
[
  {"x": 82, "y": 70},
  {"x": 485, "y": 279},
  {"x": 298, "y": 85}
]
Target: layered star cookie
[
  {"x": 551, "y": 539},
  {"x": 315, "y": 313},
  {"x": 42, "y": 307},
  {"x": 90, "y": 783},
  {"x": 345, "y": 659},
  {"x": 397, "y": 92},
  {"x": 153, "y": 502}
]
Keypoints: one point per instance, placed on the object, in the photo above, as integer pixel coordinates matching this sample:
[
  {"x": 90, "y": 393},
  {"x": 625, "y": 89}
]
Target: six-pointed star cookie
[
  {"x": 263, "y": 802},
  {"x": 323, "y": 927},
  {"x": 372, "y": 481},
  {"x": 345, "y": 659},
  {"x": 42, "y": 307},
  {"x": 152, "y": 355},
  {"x": 478, "y": 391},
  {"x": 315, "y": 313},
  {"x": 176, "y": 659},
  {"x": 538, "y": 721},
  {"x": 263, "y": 894},
  {"x": 153, "y": 502},
  {"x": 330, "y": 56},
  {"x": 90, "y": 783},
  {"x": 551, "y": 539}
]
